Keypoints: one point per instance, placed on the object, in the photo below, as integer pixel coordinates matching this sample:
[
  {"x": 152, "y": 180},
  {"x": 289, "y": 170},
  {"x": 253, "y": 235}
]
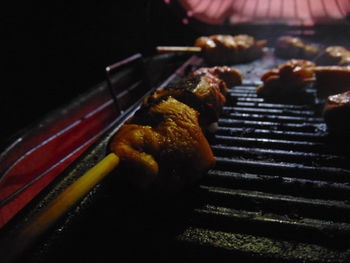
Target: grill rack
[
  {"x": 279, "y": 188},
  {"x": 279, "y": 193}
]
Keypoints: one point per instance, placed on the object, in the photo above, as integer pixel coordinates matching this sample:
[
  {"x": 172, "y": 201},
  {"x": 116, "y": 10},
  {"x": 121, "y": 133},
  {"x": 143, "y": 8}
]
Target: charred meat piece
[
  {"x": 334, "y": 55},
  {"x": 337, "y": 113},
  {"x": 331, "y": 80},
  {"x": 204, "y": 90},
  {"x": 231, "y": 76},
  {"x": 288, "y": 81},
  {"x": 289, "y": 47},
  {"x": 227, "y": 49},
  {"x": 163, "y": 145}
]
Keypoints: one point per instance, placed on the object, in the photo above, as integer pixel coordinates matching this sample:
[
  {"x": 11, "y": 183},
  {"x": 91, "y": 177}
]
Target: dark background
[{"x": 56, "y": 50}]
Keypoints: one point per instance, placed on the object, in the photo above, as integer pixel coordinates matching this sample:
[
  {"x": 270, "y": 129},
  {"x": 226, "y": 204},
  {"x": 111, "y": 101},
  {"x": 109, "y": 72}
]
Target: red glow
[{"x": 49, "y": 150}]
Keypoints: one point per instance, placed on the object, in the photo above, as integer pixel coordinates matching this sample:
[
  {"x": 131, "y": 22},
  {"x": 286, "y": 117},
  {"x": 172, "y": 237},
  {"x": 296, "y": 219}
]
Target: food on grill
[
  {"x": 288, "y": 81},
  {"x": 337, "y": 113},
  {"x": 231, "y": 76},
  {"x": 289, "y": 47},
  {"x": 334, "y": 55},
  {"x": 331, "y": 80},
  {"x": 227, "y": 49},
  {"x": 163, "y": 144},
  {"x": 204, "y": 90}
]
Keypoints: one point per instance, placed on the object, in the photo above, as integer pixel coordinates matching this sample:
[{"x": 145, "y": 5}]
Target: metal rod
[{"x": 109, "y": 69}]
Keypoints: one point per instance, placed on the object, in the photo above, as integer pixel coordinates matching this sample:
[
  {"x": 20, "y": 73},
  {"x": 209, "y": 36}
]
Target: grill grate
[
  {"x": 279, "y": 190},
  {"x": 279, "y": 193}
]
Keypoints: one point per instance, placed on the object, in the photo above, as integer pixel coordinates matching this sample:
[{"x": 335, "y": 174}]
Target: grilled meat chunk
[
  {"x": 288, "y": 81},
  {"x": 163, "y": 145},
  {"x": 204, "y": 90},
  {"x": 231, "y": 76},
  {"x": 289, "y": 47},
  {"x": 331, "y": 80},
  {"x": 227, "y": 49},
  {"x": 334, "y": 55},
  {"x": 337, "y": 113}
]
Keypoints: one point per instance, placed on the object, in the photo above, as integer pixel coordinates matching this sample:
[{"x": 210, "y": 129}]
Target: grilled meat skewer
[
  {"x": 288, "y": 81},
  {"x": 334, "y": 55},
  {"x": 289, "y": 47},
  {"x": 227, "y": 49},
  {"x": 204, "y": 90},
  {"x": 163, "y": 144},
  {"x": 223, "y": 49}
]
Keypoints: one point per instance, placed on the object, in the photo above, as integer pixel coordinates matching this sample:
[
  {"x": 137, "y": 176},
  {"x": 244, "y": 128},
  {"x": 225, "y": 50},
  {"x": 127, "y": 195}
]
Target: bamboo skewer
[
  {"x": 60, "y": 206},
  {"x": 166, "y": 49}
]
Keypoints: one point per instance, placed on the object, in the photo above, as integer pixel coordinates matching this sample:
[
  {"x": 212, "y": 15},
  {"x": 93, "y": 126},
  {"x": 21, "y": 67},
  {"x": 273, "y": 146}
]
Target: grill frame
[{"x": 182, "y": 226}]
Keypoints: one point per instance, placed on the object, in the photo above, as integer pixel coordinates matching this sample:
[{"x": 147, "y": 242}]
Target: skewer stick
[
  {"x": 61, "y": 204},
  {"x": 165, "y": 49}
]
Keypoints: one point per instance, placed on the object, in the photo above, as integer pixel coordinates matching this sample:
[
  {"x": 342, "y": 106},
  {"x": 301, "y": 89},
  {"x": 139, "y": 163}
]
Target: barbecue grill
[{"x": 278, "y": 193}]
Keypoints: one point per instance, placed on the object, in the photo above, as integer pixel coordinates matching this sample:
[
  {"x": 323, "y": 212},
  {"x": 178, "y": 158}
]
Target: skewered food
[
  {"x": 289, "y": 47},
  {"x": 161, "y": 147},
  {"x": 334, "y": 55},
  {"x": 227, "y": 49},
  {"x": 288, "y": 81},
  {"x": 231, "y": 76},
  {"x": 331, "y": 80},
  {"x": 163, "y": 144},
  {"x": 336, "y": 113},
  {"x": 204, "y": 90}
]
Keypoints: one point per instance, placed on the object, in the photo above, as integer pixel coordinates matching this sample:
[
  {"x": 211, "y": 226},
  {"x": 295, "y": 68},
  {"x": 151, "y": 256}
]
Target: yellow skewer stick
[
  {"x": 60, "y": 205},
  {"x": 164, "y": 49}
]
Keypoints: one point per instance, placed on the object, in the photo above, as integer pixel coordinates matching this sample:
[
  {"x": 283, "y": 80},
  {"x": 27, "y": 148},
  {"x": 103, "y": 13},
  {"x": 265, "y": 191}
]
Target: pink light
[{"x": 298, "y": 12}]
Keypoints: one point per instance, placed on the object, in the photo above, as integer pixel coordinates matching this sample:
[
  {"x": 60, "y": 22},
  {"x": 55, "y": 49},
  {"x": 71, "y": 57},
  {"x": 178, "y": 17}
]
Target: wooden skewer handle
[
  {"x": 61, "y": 204},
  {"x": 165, "y": 49}
]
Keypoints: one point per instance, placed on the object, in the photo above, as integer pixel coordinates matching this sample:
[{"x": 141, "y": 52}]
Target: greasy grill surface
[{"x": 279, "y": 191}]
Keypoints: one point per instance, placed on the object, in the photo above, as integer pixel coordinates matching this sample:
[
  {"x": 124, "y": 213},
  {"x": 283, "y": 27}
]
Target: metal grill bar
[
  {"x": 308, "y": 158},
  {"x": 280, "y": 118},
  {"x": 331, "y": 174},
  {"x": 271, "y": 143},
  {"x": 293, "y": 135},
  {"x": 279, "y": 185},
  {"x": 291, "y": 206},
  {"x": 261, "y": 109},
  {"x": 239, "y": 245},
  {"x": 278, "y": 182},
  {"x": 241, "y": 102},
  {"x": 303, "y": 127},
  {"x": 278, "y": 227}
]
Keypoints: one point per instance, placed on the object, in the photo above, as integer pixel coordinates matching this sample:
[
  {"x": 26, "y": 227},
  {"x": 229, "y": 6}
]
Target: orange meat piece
[
  {"x": 337, "y": 113},
  {"x": 227, "y": 49},
  {"x": 163, "y": 145},
  {"x": 332, "y": 80},
  {"x": 288, "y": 78},
  {"x": 231, "y": 76},
  {"x": 204, "y": 90},
  {"x": 294, "y": 47},
  {"x": 334, "y": 55}
]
